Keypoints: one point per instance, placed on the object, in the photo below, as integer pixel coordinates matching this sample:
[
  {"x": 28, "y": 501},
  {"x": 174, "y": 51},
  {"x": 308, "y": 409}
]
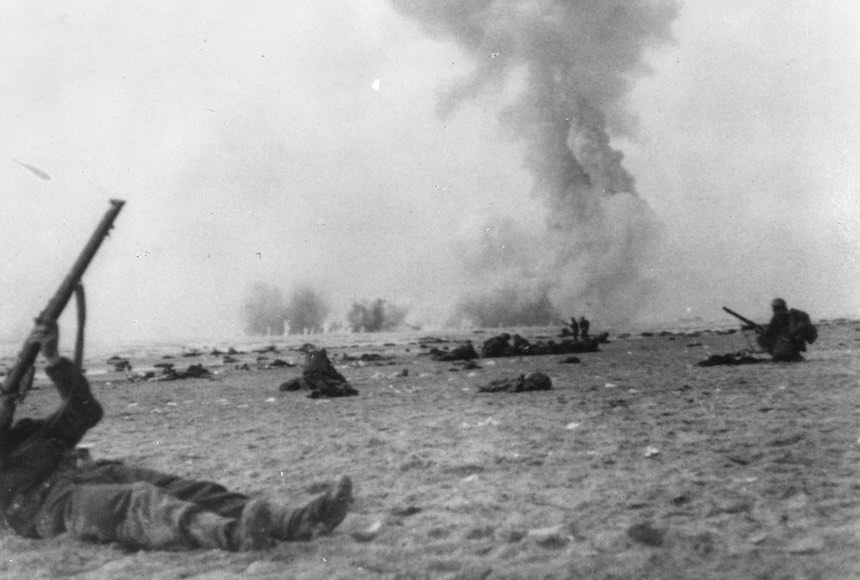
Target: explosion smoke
[
  {"x": 264, "y": 311},
  {"x": 576, "y": 60},
  {"x": 375, "y": 316},
  {"x": 306, "y": 310}
]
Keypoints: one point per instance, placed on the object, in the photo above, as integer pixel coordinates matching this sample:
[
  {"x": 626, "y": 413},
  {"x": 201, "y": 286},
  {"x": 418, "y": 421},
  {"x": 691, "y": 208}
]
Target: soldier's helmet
[{"x": 778, "y": 304}]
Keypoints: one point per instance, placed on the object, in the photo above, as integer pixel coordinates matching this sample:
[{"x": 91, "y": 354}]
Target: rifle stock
[
  {"x": 53, "y": 310},
  {"x": 742, "y": 319}
]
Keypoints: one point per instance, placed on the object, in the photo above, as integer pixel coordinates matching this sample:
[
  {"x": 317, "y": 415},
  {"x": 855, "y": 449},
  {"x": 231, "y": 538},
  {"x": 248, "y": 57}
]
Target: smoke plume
[
  {"x": 306, "y": 310},
  {"x": 375, "y": 316},
  {"x": 570, "y": 65},
  {"x": 264, "y": 311}
]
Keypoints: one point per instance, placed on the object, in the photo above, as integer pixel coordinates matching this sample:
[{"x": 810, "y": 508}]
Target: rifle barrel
[
  {"x": 741, "y": 318},
  {"x": 29, "y": 352}
]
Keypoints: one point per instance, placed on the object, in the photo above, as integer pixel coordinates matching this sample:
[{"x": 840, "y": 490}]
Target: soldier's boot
[
  {"x": 318, "y": 517},
  {"x": 251, "y": 531}
]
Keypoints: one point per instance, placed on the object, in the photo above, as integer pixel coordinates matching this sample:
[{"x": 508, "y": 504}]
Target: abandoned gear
[
  {"x": 787, "y": 333},
  {"x": 320, "y": 377},
  {"x": 47, "y": 487},
  {"x": 497, "y": 346}
]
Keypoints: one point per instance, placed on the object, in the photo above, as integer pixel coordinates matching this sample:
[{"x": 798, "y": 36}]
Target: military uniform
[
  {"x": 47, "y": 488},
  {"x": 787, "y": 333}
]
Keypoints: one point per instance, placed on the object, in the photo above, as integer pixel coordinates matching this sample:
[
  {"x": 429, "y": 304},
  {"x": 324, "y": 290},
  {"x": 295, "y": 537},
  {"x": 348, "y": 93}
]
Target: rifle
[
  {"x": 757, "y": 327},
  {"x": 15, "y": 382}
]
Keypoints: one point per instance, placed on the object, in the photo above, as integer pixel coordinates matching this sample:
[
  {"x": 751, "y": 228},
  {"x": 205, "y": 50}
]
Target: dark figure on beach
[
  {"x": 320, "y": 378},
  {"x": 584, "y": 325},
  {"x": 785, "y": 337},
  {"x": 48, "y": 487},
  {"x": 497, "y": 346},
  {"x": 465, "y": 351}
]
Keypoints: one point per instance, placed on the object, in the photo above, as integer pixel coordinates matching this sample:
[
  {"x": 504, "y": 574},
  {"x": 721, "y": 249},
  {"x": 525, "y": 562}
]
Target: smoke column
[{"x": 570, "y": 66}]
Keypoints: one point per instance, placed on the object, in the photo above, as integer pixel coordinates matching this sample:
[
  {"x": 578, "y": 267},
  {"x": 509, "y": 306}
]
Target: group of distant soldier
[{"x": 577, "y": 329}]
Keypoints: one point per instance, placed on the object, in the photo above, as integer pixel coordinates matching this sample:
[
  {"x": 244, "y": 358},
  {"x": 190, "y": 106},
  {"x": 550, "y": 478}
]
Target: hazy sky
[{"x": 299, "y": 143}]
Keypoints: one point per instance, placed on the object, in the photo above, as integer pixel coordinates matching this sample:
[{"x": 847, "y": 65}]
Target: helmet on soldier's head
[{"x": 778, "y": 304}]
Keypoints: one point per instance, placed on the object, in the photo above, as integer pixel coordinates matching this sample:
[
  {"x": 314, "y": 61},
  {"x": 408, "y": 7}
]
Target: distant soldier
[
  {"x": 520, "y": 345},
  {"x": 497, "y": 346},
  {"x": 786, "y": 335},
  {"x": 584, "y": 325},
  {"x": 574, "y": 327}
]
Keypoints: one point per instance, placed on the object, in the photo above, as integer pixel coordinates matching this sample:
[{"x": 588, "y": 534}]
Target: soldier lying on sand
[{"x": 47, "y": 487}]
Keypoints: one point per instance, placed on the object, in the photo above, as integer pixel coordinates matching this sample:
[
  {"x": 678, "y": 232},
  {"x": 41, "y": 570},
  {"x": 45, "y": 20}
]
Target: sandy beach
[{"x": 637, "y": 463}]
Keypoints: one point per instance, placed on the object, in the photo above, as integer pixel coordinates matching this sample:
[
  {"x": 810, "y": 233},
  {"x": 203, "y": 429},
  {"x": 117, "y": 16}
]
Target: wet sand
[{"x": 636, "y": 464}]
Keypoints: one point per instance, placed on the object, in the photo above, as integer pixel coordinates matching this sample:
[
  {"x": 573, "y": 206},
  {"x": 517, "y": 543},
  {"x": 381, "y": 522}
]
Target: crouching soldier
[
  {"x": 47, "y": 487},
  {"x": 785, "y": 337}
]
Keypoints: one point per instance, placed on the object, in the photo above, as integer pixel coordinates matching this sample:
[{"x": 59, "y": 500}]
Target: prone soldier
[{"x": 48, "y": 487}]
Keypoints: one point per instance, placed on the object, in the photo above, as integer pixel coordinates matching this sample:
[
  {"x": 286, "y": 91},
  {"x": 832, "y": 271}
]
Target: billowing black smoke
[
  {"x": 572, "y": 63},
  {"x": 263, "y": 311},
  {"x": 375, "y": 316},
  {"x": 306, "y": 310}
]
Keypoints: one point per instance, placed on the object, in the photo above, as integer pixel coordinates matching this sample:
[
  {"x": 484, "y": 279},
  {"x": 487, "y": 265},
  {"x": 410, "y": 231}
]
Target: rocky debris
[
  {"x": 530, "y": 382},
  {"x": 320, "y": 378}
]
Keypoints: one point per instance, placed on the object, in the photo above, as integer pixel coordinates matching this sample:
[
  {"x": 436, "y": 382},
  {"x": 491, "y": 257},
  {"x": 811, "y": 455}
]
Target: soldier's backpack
[{"x": 800, "y": 327}]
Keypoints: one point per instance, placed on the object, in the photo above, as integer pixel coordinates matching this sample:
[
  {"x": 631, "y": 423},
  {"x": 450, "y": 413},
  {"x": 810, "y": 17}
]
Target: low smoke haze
[{"x": 466, "y": 163}]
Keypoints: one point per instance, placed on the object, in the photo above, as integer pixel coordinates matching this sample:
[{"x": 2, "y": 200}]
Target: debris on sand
[
  {"x": 369, "y": 533},
  {"x": 169, "y": 373},
  {"x": 505, "y": 345},
  {"x": 647, "y": 534},
  {"x": 404, "y": 511},
  {"x": 122, "y": 365},
  {"x": 271, "y": 348},
  {"x": 371, "y": 358},
  {"x": 463, "y": 352},
  {"x": 737, "y": 358},
  {"x": 551, "y": 537},
  {"x": 320, "y": 378},
  {"x": 530, "y": 382},
  {"x": 279, "y": 363}
]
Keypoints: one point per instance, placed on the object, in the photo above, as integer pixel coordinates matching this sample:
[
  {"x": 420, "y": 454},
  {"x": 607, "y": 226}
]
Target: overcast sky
[{"x": 299, "y": 143}]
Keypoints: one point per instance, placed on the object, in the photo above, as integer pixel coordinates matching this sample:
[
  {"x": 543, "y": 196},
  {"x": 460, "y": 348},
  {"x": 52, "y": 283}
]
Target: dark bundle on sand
[
  {"x": 504, "y": 345},
  {"x": 463, "y": 352},
  {"x": 529, "y": 382},
  {"x": 198, "y": 371},
  {"x": 320, "y": 378},
  {"x": 736, "y": 358}
]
